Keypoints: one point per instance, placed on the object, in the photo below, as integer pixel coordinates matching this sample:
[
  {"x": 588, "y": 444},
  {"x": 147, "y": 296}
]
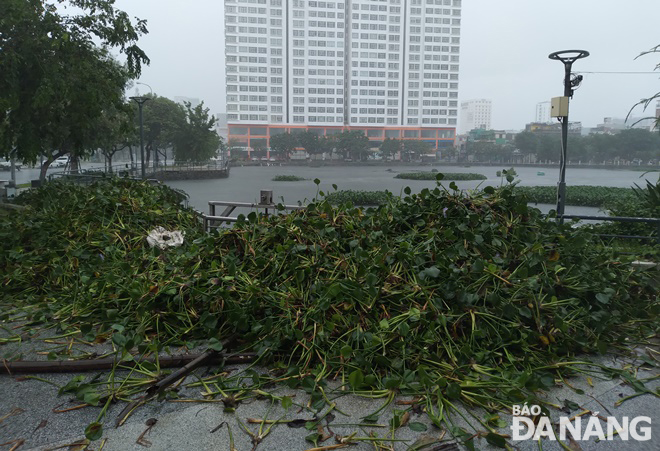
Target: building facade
[
  {"x": 542, "y": 113},
  {"x": 475, "y": 114},
  {"x": 382, "y": 66}
]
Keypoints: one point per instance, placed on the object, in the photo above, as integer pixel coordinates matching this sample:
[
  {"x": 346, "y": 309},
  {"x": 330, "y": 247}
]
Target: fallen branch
[
  {"x": 160, "y": 386},
  {"x": 79, "y": 366}
]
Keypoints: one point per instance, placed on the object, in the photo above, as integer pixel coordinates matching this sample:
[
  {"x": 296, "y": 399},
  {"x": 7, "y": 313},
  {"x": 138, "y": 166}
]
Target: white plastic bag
[{"x": 164, "y": 238}]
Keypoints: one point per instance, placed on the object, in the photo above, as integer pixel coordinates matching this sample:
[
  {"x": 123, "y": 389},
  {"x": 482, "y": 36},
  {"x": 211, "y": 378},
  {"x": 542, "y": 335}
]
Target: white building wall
[
  {"x": 475, "y": 114},
  {"x": 543, "y": 112},
  {"x": 354, "y": 62}
]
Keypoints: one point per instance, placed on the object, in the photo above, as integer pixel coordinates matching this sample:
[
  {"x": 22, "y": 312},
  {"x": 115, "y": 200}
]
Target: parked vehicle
[{"x": 60, "y": 162}]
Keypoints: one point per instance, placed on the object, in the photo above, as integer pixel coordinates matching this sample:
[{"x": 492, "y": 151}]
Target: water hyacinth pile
[
  {"x": 433, "y": 176},
  {"x": 586, "y": 196},
  {"x": 358, "y": 197},
  {"x": 288, "y": 178},
  {"x": 451, "y": 297}
]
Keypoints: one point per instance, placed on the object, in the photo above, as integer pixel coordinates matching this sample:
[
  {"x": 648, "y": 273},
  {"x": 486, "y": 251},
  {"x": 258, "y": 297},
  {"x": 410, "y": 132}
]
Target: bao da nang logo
[{"x": 578, "y": 427}]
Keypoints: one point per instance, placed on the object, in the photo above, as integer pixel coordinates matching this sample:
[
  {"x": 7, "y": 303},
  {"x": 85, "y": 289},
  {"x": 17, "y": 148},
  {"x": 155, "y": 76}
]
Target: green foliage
[
  {"x": 162, "y": 121},
  {"x": 283, "y": 144},
  {"x": 413, "y": 149},
  {"x": 445, "y": 176},
  {"x": 196, "y": 139},
  {"x": 55, "y": 81},
  {"x": 645, "y": 103},
  {"x": 115, "y": 131},
  {"x": 359, "y": 197},
  {"x": 628, "y": 145},
  {"x": 287, "y": 178},
  {"x": 353, "y": 144},
  {"x": 309, "y": 141},
  {"x": 479, "y": 299},
  {"x": 616, "y": 201},
  {"x": 584, "y": 196},
  {"x": 390, "y": 147}
]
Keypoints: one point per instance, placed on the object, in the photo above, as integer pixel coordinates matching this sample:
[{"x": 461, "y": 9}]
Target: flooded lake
[{"x": 244, "y": 183}]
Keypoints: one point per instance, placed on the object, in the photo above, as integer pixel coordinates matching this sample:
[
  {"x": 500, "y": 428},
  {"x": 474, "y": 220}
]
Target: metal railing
[
  {"x": 628, "y": 219},
  {"x": 133, "y": 170},
  {"x": 213, "y": 220}
]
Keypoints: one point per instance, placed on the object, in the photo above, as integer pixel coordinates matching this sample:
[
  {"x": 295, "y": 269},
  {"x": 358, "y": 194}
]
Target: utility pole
[
  {"x": 560, "y": 110},
  {"x": 140, "y": 100}
]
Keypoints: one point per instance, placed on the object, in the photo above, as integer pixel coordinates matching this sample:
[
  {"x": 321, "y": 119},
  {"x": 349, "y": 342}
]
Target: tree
[
  {"x": 115, "y": 131},
  {"x": 648, "y": 101},
  {"x": 527, "y": 142},
  {"x": 162, "y": 119},
  {"x": 309, "y": 141},
  {"x": 327, "y": 144},
  {"x": 55, "y": 81},
  {"x": 196, "y": 139},
  {"x": 413, "y": 147},
  {"x": 549, "y": 148},
  {"x": 389, "y": 147},
  {"x": 283, "y": 144},
  {"x": 352, "y": 143}
]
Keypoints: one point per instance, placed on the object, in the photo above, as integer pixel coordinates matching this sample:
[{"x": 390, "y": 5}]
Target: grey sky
[{"x": 504, "y": 53}]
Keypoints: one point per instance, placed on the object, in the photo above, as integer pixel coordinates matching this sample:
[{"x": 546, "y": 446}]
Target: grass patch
[
  {"x": 445, "y": 176},
  {"x": 287, "y": 178}
]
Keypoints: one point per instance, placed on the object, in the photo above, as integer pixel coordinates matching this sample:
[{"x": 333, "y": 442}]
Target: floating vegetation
[
  {"x": 444, "y": 296},
  {"x": 287, "y": 178},
  {"x": 446, "y": 176},
  {"x": 584, "y": 196},
  {"x": 363, "y": 198}
]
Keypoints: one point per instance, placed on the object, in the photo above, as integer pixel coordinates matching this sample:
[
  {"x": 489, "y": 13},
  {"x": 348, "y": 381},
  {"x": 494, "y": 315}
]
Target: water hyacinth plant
[
  {"x": 449, "y": 297},
  {"x": 433, "y": 176}
]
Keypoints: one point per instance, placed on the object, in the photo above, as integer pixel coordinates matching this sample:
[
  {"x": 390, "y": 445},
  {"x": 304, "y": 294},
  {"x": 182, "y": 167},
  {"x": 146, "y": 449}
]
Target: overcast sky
[{"x": 504, "y": 53}]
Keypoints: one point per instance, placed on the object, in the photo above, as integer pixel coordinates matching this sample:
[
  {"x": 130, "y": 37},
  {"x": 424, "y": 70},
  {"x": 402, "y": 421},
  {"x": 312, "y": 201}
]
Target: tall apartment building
[
  {"x": 387, "y": 67},
  {"x": 475, "y": 114},
  {"x": 543, "y": 112}
]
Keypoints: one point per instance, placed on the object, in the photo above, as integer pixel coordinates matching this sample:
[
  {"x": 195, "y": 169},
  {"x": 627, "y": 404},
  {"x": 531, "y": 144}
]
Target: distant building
[
  {"x": 574, "y": 128},
  {"x": 613, "y": 125},
  {"x": 475, "y": 114},
  {"x": 387, "y": 68},
  {"x": 543, "y": 113},
  {"x": 221, "y": 126},
  {"x": 181, "y": 100}
]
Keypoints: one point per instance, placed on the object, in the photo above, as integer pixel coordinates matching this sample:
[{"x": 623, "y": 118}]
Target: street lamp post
[
  {"x": 567, "y": 57},
  {"x": 140, "y": 100}
]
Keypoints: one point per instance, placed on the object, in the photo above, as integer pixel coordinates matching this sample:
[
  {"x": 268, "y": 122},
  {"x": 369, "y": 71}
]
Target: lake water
[{"x": 244, "y": 183}]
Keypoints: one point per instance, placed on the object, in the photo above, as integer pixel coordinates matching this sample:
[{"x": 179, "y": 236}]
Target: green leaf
[
  {"x": 286, "y": 402},
  {"x": 356, "y": 379},
  {"x": 314, "y": 438},
  {"x": 119, "y": 340},
  {"x": 417, "y": 427},
  {"x": 94, "y": 431},
  {"x": 346, "y": 351},
  {"x": 496, "y": 440},
  {"x": 317, "y": 181},
  {"x": 603, "y": 298},
  {"x": 215, "y": 344},
  {"x": 453, "y": 391}
]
